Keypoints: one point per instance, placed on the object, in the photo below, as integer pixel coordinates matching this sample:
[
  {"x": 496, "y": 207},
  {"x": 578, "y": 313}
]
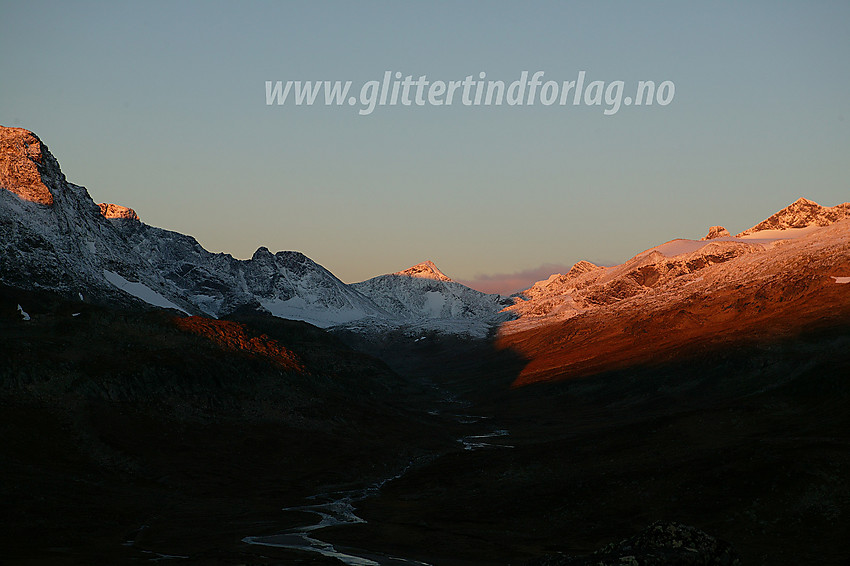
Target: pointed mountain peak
[
  {"x": 111, "y": 211},
  {"x": 802, "y": 213},
  {"x": 424, "y": 270},
  {"x": 262, "y": 254},
  {"x": 22, "y": 160},
  {"x": 804, "y": 201}
]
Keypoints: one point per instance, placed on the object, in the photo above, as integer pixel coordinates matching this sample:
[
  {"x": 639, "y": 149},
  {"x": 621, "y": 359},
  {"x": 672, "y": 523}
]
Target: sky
[{"x": 162, "y": 107}]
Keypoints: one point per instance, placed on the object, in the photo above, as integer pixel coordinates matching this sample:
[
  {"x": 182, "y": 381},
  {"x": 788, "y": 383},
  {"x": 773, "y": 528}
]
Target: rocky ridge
[
  {"x": 802, "y": 213},
  {"x": 676, "y": 266}
]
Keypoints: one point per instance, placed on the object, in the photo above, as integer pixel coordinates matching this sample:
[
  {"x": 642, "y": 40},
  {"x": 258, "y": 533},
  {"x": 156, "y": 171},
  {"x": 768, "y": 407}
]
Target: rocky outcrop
[
  {"x": 716, "y": 232},
  {"x": 802, "y": 214},
  {"x": 110, "y": 211},
  {"x": 22, "y": 160},
  {"x": 660, "y": 544}
]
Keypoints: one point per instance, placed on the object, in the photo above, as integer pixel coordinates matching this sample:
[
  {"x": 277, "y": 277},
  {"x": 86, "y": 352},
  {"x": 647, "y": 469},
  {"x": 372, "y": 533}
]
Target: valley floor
[{"x": 165, "y": 457}]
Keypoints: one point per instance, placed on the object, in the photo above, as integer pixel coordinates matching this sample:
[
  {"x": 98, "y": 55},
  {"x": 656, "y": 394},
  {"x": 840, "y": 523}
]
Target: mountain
[
  {"x": 779, "y": 278},
  {"x": 424, "y": 295},
  {"x": 54, "y": 237}
]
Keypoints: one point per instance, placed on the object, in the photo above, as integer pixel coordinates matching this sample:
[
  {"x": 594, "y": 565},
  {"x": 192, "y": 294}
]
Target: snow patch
[
  {"x": 681, "y": 246},
  {"x": 434, "y": 301},
  {"x": 787, "y": 234},
  {"x": 684, "y": 246},
  {"x": 297, "y": 308},
  {"x": 140, "y": 291},
  {"x": 841, "y": 279},
  {"x": 24, "y": 314}
]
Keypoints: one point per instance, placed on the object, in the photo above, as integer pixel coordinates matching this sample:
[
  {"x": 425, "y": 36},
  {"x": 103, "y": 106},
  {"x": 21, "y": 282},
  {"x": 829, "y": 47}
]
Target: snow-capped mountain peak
[
  {"x": 424, "y": 270},
  {"x": 53, "y": 236},
  {"x": 424, "y": 295}
]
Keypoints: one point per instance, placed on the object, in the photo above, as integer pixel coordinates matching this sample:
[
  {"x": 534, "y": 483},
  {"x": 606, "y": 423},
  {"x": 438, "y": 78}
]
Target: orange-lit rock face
[
  {"x": 716, "y": 232},
  {"x": 235, "y": 337},
  {"x": 20, "y": 158},
  {"x": 117, "y": 211}
]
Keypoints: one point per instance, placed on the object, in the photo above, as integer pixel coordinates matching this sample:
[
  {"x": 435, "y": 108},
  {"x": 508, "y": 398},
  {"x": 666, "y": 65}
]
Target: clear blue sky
[{"x": 160, "y": 106}]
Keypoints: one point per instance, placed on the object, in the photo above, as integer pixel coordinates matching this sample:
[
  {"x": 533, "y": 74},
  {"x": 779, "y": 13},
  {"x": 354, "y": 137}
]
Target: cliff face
[{"x": 23, "y": 161}]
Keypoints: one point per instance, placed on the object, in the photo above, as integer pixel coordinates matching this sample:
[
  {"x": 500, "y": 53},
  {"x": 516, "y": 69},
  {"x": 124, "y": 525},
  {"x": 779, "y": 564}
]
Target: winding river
[{"x": 337, "y": 508}]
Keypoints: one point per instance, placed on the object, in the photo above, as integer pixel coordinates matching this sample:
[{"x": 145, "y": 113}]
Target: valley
[{"x": 162, "y": 403}]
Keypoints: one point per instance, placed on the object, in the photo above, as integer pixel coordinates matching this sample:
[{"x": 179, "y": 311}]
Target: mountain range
[{"x": 54, "y": 237}]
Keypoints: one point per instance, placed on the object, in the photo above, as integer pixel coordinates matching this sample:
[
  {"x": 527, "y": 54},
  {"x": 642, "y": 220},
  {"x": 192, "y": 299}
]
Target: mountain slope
[
  {"x": 683, "y": 296},
  {"x": 286, "y": 284}
]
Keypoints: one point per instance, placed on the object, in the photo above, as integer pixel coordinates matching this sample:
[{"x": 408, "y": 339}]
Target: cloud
[{"x": 507, "y": 283}]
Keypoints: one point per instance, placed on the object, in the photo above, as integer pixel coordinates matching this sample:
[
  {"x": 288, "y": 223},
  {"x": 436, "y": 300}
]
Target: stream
[
  {"x": 337, "y": 508},
  {"x": 333, "y": 509}
]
